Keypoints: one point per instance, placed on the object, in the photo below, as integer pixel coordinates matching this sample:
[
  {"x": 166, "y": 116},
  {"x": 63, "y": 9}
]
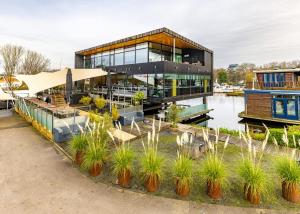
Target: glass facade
[{"x": 139, "y": 53}]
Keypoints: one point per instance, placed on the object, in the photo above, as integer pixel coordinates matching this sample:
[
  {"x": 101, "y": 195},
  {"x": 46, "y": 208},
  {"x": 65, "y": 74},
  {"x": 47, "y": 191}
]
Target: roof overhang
[{"x": 163, "y": 36}]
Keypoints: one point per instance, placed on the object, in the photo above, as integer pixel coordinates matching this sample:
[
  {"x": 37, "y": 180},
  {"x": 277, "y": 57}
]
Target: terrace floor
[{"x": 35, "y": 178}]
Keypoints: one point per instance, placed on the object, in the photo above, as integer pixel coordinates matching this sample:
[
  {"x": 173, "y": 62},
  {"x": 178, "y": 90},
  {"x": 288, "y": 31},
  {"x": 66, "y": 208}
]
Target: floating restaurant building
[
  {"x": 166, "y": 66},
  {"x": 274, "y": 95}
]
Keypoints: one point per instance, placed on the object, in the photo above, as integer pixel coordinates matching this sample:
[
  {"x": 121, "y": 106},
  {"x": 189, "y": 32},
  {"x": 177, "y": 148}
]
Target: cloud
[{"x": 238, "y": 31}]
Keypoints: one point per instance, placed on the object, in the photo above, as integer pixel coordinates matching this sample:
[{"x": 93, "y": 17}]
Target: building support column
[{"x": 204, "y": 100}]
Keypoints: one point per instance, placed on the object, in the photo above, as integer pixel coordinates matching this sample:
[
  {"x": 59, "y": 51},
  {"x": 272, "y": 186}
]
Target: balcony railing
[{"x": 273, "y": 85}]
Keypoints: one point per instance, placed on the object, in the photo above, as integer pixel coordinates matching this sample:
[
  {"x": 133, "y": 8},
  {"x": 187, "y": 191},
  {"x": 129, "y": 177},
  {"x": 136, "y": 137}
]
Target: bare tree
[
  {"x": 34, "y": 63},
  {"x": 11, "y": 55}
]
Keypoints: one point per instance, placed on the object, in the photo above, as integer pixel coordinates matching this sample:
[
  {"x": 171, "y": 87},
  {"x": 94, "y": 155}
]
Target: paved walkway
[{"x": 35, "y": 178}]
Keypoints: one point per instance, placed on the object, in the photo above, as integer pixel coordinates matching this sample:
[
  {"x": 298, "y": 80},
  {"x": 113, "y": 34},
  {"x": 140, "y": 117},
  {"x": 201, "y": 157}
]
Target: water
[{"x": 225, "y": 113}]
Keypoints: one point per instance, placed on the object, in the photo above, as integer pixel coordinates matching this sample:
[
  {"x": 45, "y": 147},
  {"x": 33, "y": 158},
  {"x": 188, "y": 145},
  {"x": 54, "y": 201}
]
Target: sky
[{"x": 253, "y": 31}]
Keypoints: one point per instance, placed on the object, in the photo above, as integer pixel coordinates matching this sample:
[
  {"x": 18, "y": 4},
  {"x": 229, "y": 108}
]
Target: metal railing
[
  {"x": 193, "y": 110},
  {"x": 273, "y": 85},
  {"x": 121, "y": 91}
]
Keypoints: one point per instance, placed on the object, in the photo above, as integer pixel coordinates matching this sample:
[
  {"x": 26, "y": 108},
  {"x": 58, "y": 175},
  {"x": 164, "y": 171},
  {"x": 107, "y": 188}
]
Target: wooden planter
[
  {"x": 95, "y": 170},
  {"x": 182, "y": 190},
  {"x": 252, "y": 197},
  {"x": 214, "y": 190},
  {"x": 79, "y": 157},
  {"x": 124, "y": 178},
  {"x": 290, "y": 192},
  {"x": 152, "y": 183}
]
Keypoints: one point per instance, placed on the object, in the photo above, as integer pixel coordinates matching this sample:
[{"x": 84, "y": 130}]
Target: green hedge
[{"x": 277, "y": 133}]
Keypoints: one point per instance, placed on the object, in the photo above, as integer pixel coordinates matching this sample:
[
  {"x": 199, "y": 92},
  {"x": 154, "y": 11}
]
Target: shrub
[
  {"x": 85, "y": 100},
  {"x": 100, "y": 102},
  {"x": 258, "y": 136},
  {"x": 115, "y": 113},
  {"x": 138, "y": 98},
  {"x": 228, "y": 131},
  {"x": 94, "y": 117},
  {"x": 173, "y": 114},
  {"x": 292, "y": 132}
]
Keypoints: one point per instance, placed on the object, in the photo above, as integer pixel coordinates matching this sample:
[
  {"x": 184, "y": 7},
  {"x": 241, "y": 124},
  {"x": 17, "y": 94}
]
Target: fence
[{"x": 58, "y": 124}]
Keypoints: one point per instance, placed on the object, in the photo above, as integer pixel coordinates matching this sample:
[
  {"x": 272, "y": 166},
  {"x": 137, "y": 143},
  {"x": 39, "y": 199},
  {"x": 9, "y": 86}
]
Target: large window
[
  {"x": 154, "y": 55},
  {"x": 139, "y": 53},
  {"x": 130, "y": 55},
  {"x": 105, "y": 59}
]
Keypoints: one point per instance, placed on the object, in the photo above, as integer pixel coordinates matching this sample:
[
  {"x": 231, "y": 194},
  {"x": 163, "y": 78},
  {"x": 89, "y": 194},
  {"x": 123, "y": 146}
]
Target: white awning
[
  {"x": 45, "y": 80},
  {"x": 5, "y": 96}
]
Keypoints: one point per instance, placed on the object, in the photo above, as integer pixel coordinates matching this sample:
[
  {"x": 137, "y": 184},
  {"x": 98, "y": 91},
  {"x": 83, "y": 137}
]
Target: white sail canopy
[
  {"x": 45, "y": 80},
  {"x": 5, "y": 96}
]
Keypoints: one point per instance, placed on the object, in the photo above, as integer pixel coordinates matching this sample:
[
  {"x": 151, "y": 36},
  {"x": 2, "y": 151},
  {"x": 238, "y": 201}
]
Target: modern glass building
[{"x": 168, "y": 66}]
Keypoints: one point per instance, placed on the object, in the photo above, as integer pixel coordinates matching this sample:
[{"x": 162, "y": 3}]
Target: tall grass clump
[
  {"x": 289, "y": 171},
  {"x": 251, "y": 171},
  {"x": 213, "y": 171},
  {"x": 151, "y": 161},
  {"x": 123, "y": 164},
  {"x": 77, "y": 147}
]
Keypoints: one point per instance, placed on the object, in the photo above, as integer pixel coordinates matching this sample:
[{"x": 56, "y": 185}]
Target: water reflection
[{"x": 225, "y": 113}]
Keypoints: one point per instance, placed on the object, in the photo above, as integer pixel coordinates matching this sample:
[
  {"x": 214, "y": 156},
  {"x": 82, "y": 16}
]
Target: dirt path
[{"x": 35, "y": 178}]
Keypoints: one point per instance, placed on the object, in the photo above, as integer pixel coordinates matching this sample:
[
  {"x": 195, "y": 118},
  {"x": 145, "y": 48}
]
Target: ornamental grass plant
[
  {"x": 213, "y": 171},
  {"x": 251, "y": 171}
]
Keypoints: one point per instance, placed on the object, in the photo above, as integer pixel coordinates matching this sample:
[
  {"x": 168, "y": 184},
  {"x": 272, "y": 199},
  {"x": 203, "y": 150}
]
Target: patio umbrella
[{"x": 69, "y": 85}]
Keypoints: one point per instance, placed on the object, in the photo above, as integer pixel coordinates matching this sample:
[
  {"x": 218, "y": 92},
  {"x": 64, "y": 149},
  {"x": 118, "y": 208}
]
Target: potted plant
[
  {"x": 95, "y": 155},
  {"x": 77, "y": 147},
  {"x": 100, "y": 103},
  {"x": 115, "y": 114},
  {"x": 138, "y": 98},
  {"x": 123, "y": 164},
  {"x": 289, "y": 171},
  {"x": 173, "y": 116},
  {"x": 183, "y": 168},
  {"x": 85, "y": 100},
  {"x": 213, "y": 171},
  {"x": 151, "y": 162},
  {"x": 250, "y": 170}
]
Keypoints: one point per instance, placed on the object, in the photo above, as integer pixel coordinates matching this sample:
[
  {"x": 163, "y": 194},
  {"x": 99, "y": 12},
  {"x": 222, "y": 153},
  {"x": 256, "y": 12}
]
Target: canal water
[{"x": 225, "y": 111}]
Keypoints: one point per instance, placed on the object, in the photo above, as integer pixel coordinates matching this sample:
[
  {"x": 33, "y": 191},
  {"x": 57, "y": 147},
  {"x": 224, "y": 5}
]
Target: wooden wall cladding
[
  {"x": 259, "y": 105},
  {"x": 289, "y": 77}
]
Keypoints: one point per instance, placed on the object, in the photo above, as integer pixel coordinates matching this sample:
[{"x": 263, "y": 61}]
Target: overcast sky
[{"x": 257, "y": 31}]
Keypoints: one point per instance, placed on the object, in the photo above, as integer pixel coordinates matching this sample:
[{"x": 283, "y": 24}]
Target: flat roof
[
  {"x": 278, "y": 70},
  {"x": 162, "y": 35}
]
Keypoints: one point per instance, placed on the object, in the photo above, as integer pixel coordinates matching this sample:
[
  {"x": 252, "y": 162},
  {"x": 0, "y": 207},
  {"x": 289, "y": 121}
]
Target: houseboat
[{"x": 273, "y": 95}]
